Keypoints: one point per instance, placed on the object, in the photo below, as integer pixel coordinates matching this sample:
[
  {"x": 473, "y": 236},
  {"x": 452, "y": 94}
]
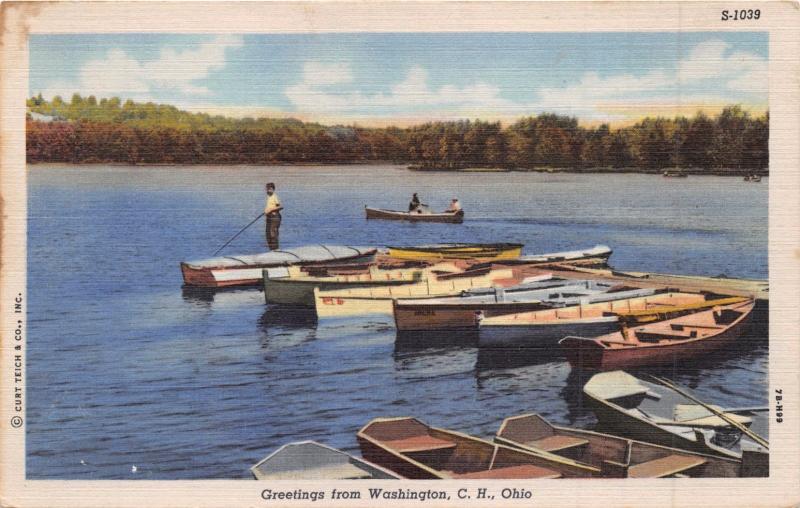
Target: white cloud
[
  {"x": 118, "y": 73},
  {"x": 709, "y": 75},
  {"x": 709, "y": 66},
  {"x": 315, "y": 94}
]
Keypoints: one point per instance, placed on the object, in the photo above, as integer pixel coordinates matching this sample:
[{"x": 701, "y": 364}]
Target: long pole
[
  {"x": 755, "y": 437},
  {"x": 239, "y": 233}
]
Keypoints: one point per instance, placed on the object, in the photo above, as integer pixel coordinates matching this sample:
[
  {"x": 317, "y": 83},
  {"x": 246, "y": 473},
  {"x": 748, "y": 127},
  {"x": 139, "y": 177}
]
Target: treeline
[{"x": 86, "y": 130}]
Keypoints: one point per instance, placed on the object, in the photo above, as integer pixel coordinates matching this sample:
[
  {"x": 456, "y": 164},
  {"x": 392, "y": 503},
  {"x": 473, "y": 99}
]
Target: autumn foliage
[{"x": 88, "y": 131}]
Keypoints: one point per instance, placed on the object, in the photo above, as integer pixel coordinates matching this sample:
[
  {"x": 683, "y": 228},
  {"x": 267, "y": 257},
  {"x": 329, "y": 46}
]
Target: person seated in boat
[
  {"x": 454, "y": 207},
  {"x": 414, "y": 204}
]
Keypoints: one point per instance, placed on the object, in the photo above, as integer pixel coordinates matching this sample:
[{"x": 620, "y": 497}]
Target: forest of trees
[{"x": 92, "y": 131}]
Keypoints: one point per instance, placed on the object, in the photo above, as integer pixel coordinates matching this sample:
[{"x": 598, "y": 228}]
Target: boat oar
[
  {"x": 755, "y": 437},
  {"x": 239, "y": 233}
]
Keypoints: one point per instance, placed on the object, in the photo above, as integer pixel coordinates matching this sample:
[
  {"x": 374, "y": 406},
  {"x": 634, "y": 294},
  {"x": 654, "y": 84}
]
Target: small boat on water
[
  {"x": 616, "y": 457},
  {"x": 244, "y": 270},
  {"x": 463, "y": 312},
  {"x": 483, "y": 251},
  {"x": 589, "y": 315},
  {"x": 680, "y": 332},
  {"x": 309, "y": 460},
  {"x": 420, "y": 214},
  {"x": 667, "y": 415},
  {"x": 597, "y": 255},
  {"x": 675, "y": 173},
  {"x": 415, "y": 450},
  {"x": 378, "y": 300},
  {"x": 290, "y": 286}
]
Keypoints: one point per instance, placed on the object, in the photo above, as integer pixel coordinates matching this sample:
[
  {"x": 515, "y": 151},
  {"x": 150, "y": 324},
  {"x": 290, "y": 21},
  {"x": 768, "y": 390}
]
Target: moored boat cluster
[{"x": 491, "y": 296}]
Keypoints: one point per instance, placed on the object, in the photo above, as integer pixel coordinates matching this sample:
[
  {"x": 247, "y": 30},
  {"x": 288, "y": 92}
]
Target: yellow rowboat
[
  {"x": 485, "y": 251},
  {"x": 293, "y": 287},
  {"x": 378, "y": 300}
]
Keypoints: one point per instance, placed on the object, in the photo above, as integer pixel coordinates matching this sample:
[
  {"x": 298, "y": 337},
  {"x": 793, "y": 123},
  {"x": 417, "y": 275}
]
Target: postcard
[{"x": 400, "y": 253}]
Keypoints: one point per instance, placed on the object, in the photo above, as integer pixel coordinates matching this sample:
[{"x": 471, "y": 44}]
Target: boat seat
[
  {"x": 715, "y": 421},
  {"x": 658, "y": 336},
  {"x": 622, "y": 391},
  {"x": 557, "y": 443},
  {"x": 419, "y": 444},
  {"x": 665, "y": 466},
  {"x": 681, "y": 326},
  {"x": 508, "y": 473}
]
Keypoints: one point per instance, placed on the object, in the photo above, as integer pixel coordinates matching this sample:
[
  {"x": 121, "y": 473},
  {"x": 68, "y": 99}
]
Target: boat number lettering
[
  {"x": 740, "y": 14},
  {"x": 424, "y": 312},
  {"x": 328, "y": 300},
  {"x": 779, "y": 405}
]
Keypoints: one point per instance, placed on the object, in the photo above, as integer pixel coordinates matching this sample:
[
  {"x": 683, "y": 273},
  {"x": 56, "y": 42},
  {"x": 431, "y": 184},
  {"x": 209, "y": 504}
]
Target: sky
[{"x": 401, "y": 79}]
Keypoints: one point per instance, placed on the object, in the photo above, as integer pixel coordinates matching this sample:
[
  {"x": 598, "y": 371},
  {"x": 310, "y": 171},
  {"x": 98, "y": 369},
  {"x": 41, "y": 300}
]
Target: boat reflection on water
[
  {"x": 512, "y": 358},
  {"x": 420, "y": 340},
  {"x": 283, "y": 326},
  {"x": 221, "y": 296},
  {"x": 287, "y": 317}
]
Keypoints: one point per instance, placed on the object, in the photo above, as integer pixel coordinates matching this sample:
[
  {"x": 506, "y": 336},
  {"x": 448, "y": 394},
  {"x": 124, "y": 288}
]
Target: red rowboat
[{"x": 662, "y": 342}]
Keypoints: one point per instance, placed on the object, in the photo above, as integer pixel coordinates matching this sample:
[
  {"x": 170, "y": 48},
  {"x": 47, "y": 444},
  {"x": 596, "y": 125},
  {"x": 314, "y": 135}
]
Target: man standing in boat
[{"x": 272, "y": 211}]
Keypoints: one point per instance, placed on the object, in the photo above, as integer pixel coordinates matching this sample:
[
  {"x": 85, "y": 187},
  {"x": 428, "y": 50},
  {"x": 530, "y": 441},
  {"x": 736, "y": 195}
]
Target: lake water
[{"x": 127, "y": 369}]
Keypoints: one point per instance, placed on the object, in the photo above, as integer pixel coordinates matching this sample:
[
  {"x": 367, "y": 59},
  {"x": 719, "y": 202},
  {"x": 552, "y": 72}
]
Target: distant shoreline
[
  {"x": 739, "y": 173},
  {"x": 686, "y": 171}
]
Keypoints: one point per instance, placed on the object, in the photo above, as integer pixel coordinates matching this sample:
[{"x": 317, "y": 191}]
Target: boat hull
[
  {"x": 542, "y": 334},
  {"x": 410, "y": 317},
  {"x": 294, "y": 292},
  {"x": 451, "y": 218},
  {"x": 251, "y": 274},
  {"x": 591, "y": 355},
  {"x": 459, "y": 251}
]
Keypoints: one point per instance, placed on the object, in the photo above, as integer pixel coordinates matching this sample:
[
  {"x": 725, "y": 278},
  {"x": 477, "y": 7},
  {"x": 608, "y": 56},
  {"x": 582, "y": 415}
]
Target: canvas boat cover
[
  {"x": 597, "y": 250},
  {"x": 304, "y": 254}
]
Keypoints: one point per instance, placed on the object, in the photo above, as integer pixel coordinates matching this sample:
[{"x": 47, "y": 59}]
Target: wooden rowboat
[
  {"x": 415, "y": 450},
  {"x": 653, "y": 412},
  {"x": 484, "y": 251},
  {"x": 699, "y": 328},
  {"x": 378, "y": 300},
  {"x": 418, "y": 215},
  {"x": 464, "y": 311},
  {"x": 293, "y": 287},
  {"x": 616, "y": 457},
  {"x": 591, "y": 315},
  {"x": 309, "y": 460},
  {"x": 245, "y": 270}
]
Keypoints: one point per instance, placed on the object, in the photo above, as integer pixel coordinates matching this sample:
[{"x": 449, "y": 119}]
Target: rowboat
[
  {"x": 483, "y": 251},
  {"x": 290, "y": 286},
  {"x": 590, "y": 315},
  {"x": 378, "y": 300},
  {"x": 597, "y": 255},
  {"x": 418, "y": 215},
  {"x": 462, "y": 312},
  {"x": 680, "y": 332},
  {"x": 615, "y": 457},
  {"x": 415, "y": 450},
  {"x": 753, "y": 288},
  {"x": 309, "y": 460},
  {"x": 247, "y": 269},
  {"x": 656, "y": 413},
  {"x": 675, "y": 173}
]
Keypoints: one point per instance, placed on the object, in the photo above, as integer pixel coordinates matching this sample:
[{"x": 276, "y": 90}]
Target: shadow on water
[
  {"x": 514, "y": 358},
  {"x": 284, "y": 327},
  {"x": 201, "y": 296},
  {"x": 422, "y": 340},
  {"x": 287, "y": 317}
]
